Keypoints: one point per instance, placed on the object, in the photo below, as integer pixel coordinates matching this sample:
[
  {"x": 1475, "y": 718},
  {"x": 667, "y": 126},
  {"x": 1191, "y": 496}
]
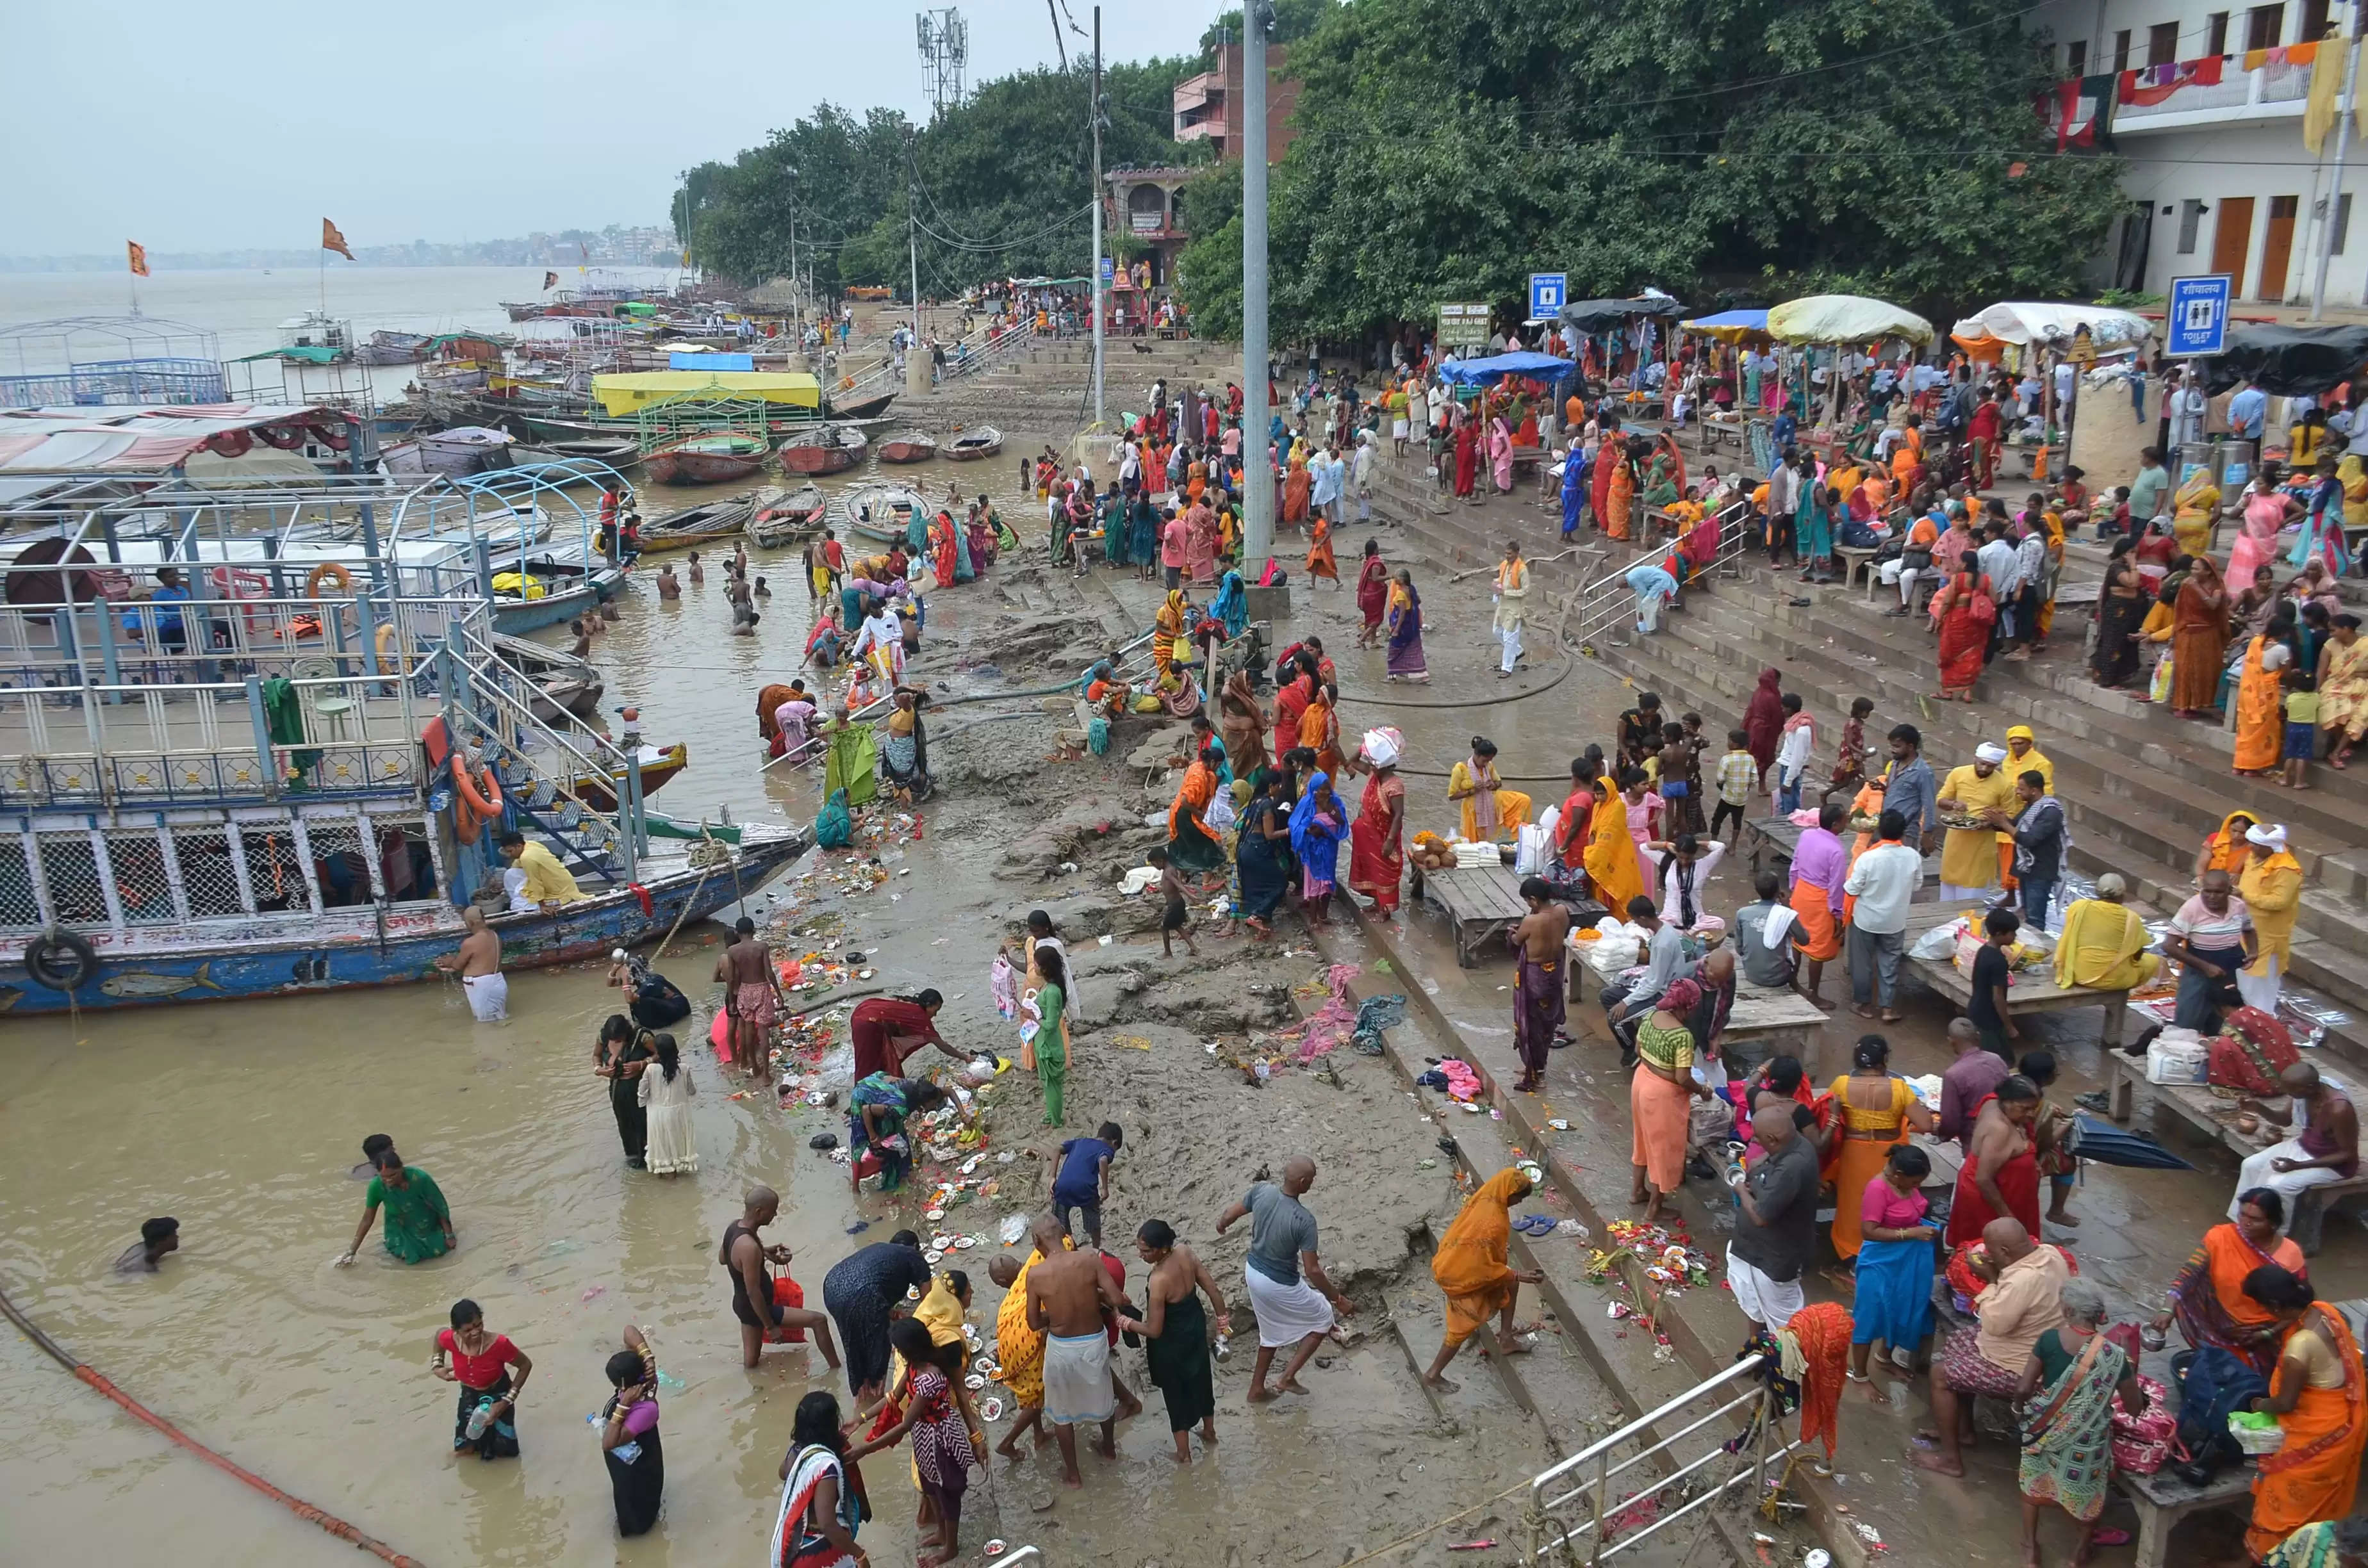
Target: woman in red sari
[
  {"x": 942, "y": 549},
  {"x": 1763, "y": 720},
  {"x": 1966, "y": 613},
  {"x": 2000, "y": 1177},
  {"x": 1377, "y": 838},
  {"x": 1291, "y": 702},
  {"x": 1372, "y": 594},
  {"x": 1467, "y": 456}
]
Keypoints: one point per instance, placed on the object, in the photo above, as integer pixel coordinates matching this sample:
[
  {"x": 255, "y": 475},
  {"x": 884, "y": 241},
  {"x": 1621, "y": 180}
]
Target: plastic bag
[
  {"x": 1221, "y": 816},
  {"x": 1939, "y": 943},
  {"x": 2159, "y": 688}
]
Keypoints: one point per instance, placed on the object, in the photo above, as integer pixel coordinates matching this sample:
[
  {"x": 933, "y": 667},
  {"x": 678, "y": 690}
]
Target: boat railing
[{"x": 500, "y": 726}]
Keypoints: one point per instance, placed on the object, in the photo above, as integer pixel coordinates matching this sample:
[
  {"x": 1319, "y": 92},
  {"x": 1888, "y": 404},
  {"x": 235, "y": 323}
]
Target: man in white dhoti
[
  {"x": 479, "y": 963},
  {"x": 1511, "y": 596},
  {"x": 2324, "y": 1148},
  {"x": 1294, "y": 1302}
]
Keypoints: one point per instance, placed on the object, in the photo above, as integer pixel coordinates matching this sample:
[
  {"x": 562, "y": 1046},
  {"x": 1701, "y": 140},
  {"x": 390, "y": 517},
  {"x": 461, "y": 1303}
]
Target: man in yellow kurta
[
  {"x": 1969, "y": 856},
  {"x": 547, "y": 882},
  {"x": 2272, "y": 888},
  {"x": 2104, "y": 942},
  {"x": 2022, "y": 754}
]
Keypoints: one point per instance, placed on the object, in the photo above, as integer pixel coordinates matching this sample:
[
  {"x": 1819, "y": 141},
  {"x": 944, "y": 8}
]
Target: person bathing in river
[
  {"x": 158, "y": 1237},
  {"x": 752, "y": 995},
  {"x": 479, "y": 964},
  {"x": 418, "y": 1221},
  {"x": 1067, "y": 1292},
  {"x": 756, "y": 1301}
]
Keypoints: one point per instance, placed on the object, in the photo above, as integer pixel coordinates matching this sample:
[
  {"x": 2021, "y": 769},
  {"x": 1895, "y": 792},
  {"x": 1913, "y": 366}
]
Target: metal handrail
[{"x": 1605, "y": 602}]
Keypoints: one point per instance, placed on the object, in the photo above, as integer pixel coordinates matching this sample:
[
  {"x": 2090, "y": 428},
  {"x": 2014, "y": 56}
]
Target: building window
[
  {"x": 2314, "y": 21},
  {"x": 2076, "y": 58},
  {"x": 2190, "y": 217},
  {"x": 2342, "y": 221},
  {"x": 2215, "y": 33},
  {"x": 2263, "y": 25},
  {"x": 2162, "y": 44},
  {"x": 2121, "y": 51}
]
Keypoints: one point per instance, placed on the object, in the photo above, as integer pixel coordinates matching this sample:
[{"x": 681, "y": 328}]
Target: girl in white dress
[{"x": 665, "y": 1093}]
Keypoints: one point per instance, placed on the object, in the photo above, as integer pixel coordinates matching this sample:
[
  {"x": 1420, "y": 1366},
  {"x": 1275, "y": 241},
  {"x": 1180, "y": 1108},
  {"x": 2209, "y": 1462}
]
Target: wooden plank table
[
  {"x": 2162, "y": 1500},
  {"x": 1480, "y": 902},
  {"x": 1781, "y": 1017},
  {"x": 2216, "y": 1119},
  {"x": 2034, "y": 991}
]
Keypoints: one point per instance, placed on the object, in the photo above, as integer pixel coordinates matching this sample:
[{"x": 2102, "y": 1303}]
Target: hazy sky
[{"x": 195, "y": 127}]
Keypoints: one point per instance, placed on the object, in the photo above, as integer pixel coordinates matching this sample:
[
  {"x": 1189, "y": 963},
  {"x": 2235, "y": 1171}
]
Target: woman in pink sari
[
  {"x": 1201, "y": 545},
  {"x": 2266, "y": 511},
  {"x": 1501, "y": 454}
]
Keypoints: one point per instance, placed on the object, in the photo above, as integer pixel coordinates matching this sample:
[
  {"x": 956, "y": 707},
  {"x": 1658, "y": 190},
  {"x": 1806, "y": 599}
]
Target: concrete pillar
[{"x": 917, "y": 370}]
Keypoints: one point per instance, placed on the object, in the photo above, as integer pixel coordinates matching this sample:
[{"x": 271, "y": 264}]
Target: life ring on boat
[
  {"x": 230, "y": 443},
  {"x": 286, "y": 437},
  {"x": 60, "y": 959},
  {"x": 327, "y": 571},
  {"x": 335, "y": 439},
  {"x": 390, "y": 654},
  {"x": 487, "y": 803}
]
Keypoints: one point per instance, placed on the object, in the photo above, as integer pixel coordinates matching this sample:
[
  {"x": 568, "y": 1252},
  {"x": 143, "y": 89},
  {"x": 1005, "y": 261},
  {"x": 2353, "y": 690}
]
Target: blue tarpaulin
[
  {"x": 1486, "y": 372},
  {"x": 678, "y": 360}
]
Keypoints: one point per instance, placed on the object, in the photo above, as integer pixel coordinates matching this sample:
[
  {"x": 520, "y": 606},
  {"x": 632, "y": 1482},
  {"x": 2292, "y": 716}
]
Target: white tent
[{"x": 2021, "y": 323}]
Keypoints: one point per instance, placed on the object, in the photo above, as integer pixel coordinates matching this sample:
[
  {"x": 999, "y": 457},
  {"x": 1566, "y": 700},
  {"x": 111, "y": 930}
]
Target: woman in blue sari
[
  {"x": 1814, "y": 531},
  {"x": 1143, "y": 534},
  {"x": 1112, "y": 508},
  {"x": 1893, "y": 1302},
  {"x": 1317, "y": 825},
  {"x": 1232, "y": 605}
]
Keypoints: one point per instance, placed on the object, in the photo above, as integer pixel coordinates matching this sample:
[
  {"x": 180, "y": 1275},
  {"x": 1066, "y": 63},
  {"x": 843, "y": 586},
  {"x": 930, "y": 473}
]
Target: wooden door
[
  {"x": 2232, "y": 236},
  {"x": 2277, "y": 248}
]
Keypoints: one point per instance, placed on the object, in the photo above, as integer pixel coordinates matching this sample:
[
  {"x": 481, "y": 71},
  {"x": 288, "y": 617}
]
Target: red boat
[
  {"x": 831, "y": 449},
  {"x": 912, "y": 447},
  {"x": 706, "y": 460}
]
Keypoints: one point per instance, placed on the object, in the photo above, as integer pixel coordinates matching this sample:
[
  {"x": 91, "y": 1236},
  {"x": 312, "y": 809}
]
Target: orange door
[
  {"x": 2277, "y": 247},
  {"x": 2232, "y": 235}
]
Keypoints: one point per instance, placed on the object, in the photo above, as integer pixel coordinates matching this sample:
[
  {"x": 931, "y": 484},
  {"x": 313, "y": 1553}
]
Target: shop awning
[
  {"x": 1497, "y": 366},
  {"x": 1609, "y": 315},
  {"x": 2289, "y": 361},
  {"x": 1845, "y": 318},
  {"x": 1986, "y": 334},
  {"x": 1730, "y": 326}
]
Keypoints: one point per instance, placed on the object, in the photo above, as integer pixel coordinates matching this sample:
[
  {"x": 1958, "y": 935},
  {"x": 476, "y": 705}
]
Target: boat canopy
[
  {"x": 630, "y": 391},
  {"x": 306, "y": 353}
]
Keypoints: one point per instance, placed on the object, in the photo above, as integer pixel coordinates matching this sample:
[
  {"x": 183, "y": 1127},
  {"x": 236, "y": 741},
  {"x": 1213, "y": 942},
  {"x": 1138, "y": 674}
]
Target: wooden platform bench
[{"x": 1482, "y": 902}]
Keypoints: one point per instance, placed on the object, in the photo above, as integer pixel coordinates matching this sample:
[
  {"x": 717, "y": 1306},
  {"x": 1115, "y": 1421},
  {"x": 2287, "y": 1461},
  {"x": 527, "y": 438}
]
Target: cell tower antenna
[{"x": 945, "y": 50}]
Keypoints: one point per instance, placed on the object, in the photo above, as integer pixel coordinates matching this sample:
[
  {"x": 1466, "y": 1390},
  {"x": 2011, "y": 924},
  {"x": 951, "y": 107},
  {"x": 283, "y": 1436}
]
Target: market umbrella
[
  {"x": 1845, "y": 318},
  {"x": 1497, "y": 366},
  {"x": 2289, "y": 361},
  {"x": 1731, "y": 326},
  {"x": 1608, "y": 315},
  {"x": 2093, "y": 1139},
  {"x": 1987, "y": 332}
]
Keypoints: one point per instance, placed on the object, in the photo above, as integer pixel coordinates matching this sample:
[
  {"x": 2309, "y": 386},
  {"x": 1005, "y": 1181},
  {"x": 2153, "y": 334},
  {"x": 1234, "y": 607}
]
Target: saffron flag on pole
[
  {"x": 2319, "y": 112},
  {"x": 137, "y": 254},
  {"x": 332, "y": 240}
]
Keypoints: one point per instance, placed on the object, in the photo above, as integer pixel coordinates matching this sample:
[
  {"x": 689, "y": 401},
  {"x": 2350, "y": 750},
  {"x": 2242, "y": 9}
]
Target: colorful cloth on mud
[
  {"x": 1286, "y": 1313},
  {"x": 2315, "y": 1474},
  {"x": 1969, "y": 1371},
  {"x": 2067, "y": 1457},
  {"x": 1538, "y": 1009},
  {"x": 1077, "y": 1378},
  {"x": 1470, "y": 1262}
]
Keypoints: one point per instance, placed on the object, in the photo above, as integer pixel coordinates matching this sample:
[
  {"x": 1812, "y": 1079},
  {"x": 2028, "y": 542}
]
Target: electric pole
[
  {"x": 1097, "y": 115},
  {"x": 1258, "y": 462}
]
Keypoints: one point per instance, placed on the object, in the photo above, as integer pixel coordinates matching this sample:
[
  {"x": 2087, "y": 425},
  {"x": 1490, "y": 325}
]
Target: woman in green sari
[
  {"x": 852, "y": 760},
  {"x": 1051, "y": 1041},
  {"x": 2068, "y": 1432},
  {"x": 418, "y": 1221}
]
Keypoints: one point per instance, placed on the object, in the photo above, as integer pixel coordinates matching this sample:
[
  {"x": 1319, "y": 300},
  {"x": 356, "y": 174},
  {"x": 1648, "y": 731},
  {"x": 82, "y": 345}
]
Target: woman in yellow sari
[
  {"x": 1610, "y": 857},
  {"x": 1878, "y": 1109},
  {"x": 2103, "y": 946},
  {"x": 1490, "y": 814},
  {"x": 2195, "y": 510},
  {"x": 1470, "y": 1266},
  {"x": 1319, "y": 732},
  {"x": 2260, "y": 729},
  {"x": 1168, "y": 632}
]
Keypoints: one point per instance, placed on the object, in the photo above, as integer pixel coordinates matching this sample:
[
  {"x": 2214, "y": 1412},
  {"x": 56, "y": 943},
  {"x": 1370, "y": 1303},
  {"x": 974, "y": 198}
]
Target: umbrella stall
[
  {"x": 1840, "y": 321},
  {"x": 1735, "y": 333},
  {"x": 1637, "y": 320},
  {"x": 2035, "y": 338}
]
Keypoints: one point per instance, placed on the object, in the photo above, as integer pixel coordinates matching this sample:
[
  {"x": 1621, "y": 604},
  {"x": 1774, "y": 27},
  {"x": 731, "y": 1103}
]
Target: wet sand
[{"x": 243, "y": 1119}]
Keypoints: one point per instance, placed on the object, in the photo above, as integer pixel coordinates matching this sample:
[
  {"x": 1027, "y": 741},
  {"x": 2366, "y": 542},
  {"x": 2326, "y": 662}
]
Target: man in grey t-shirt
[
  {"x": 1768, "y": 967},
  {"x": 1778, "y": 1227},
  {"x": 1294, "y": 1302}
]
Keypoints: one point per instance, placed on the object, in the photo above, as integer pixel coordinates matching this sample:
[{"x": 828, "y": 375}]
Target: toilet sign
[
  {"x": 1548, "y": 290},
  {"x": 2197, "y": 320}
]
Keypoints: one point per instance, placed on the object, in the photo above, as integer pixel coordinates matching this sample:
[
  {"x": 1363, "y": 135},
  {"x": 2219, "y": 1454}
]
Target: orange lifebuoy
[
  {"x": 486, "y": 803},
  {"x": 324, "y": 572}
]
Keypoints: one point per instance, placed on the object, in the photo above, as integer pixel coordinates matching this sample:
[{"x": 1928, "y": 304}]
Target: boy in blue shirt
[{"x": 1081, "y": 1178}]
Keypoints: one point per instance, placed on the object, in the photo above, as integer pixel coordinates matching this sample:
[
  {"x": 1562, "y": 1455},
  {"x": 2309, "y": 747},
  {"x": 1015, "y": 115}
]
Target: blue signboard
[
  {"x": 1548, "y": 293},
  {"x": 2197, "y": 321},
  {"x": 1106, "y": 271}
]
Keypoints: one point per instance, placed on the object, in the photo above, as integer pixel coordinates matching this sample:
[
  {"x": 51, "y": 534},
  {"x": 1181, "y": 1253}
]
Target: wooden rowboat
[
  {"x": 882, "y": 511},
  {"x": 599, "y": 791},
  {"x": 696, "y": 526},
  {"x": 912, "y": 447},
  {"x": 833, "y": 448},
  {"x": 617, "y": 452},
  {"x": 869, "y": 408},
  {"x": 706, "y": 460},
  {"x": 782, "y": 514},
  {"x": 983, "y": 442}
]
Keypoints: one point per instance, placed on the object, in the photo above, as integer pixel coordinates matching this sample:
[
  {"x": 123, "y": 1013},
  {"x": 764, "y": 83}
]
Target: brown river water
[{"x": 243, "y": 1120}]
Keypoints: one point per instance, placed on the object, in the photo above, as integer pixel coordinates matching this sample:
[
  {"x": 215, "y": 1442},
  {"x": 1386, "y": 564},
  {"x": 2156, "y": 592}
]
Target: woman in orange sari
[
  {"x": 2227, "y": 850},
  {"x": 2260, "y": 730},
  {"x": 1294, "y": 491},
  {"x": 2317, "y": 1396},
  {"x": 1377, "y": 838},
  {"x": 1196, "y": 480},
  {"x": 1319, "y": 730},
  {"x": 2199, "y": 640},
  {"x": 1877, "y": 1108},
  {"x": 1469, "y": 1267},
  {"x": 1620, "y": 497},
  {"x": 1190, "y": 846},
  {"x": 2208, "y": 1299},
  {"x": 1320, "y": 560}
]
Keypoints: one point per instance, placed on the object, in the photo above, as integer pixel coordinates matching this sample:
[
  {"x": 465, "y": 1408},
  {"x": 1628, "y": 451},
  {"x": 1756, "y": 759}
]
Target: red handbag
[{"x": 2251, "y": 1049}]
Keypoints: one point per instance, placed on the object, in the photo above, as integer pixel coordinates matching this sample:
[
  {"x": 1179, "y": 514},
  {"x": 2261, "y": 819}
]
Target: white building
[{"x": 2215, "y": 171}]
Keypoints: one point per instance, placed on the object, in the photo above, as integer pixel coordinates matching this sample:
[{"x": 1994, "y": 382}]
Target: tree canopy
[
  {"x": 1000, "y": 185},
  {"x": 1728, "y": 146}
]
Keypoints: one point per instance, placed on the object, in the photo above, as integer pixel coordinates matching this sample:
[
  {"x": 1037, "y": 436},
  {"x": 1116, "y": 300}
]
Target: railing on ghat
[
  {"x": 1607, "y": 602},
  {"x": 1574, "y": 1506}
]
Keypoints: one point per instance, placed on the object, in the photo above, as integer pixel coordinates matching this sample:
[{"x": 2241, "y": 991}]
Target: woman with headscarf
[
  {"x": 1612, "y": 864},
  {"x": 1372, "y": 592},
  {"x": 1260, "y": 849},
  {"x": 1318, "y": 825},
  {"x": 1491, "y": 811},
  {"x": 943, "y": 548},
  {"x": 1660, "y": 1092},
  {"x": 1377, "y": 842},
  {"x": 1192, "y": 845},
  {"x": 2122, "y": 604},
  {"x": 1143, "y": 535},
  {"x": 1966, "y": 613},
  {"x": 1168, "y": 632},
  {"x": 1201, "y": 544},
  {"x": 2320, "y": 543},
  {"x": 1319, "y": 730},
  {"x": 1467, "y": 456},
  {"x": 1403, "y": 616},
  {"x": 1763, "y": 722},
  {"x": 2103, "y": 943},
  {"x": 1296, "y": 486},
  {"x": 1471, "y": 1267},
  {"x": 2270, "y": 886},
  {"x": 1501, "y": 454},
  {"x": 1231, "y": 607},
  {"x": 1291, "y": 700},
  {"x": 2199, "y": 639}
]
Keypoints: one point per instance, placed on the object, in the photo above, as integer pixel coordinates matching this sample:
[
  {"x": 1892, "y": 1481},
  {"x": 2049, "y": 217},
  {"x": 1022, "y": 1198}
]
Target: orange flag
[
  {"x": 332, "y": 240},
  {"x": 139, "y": 257}
]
